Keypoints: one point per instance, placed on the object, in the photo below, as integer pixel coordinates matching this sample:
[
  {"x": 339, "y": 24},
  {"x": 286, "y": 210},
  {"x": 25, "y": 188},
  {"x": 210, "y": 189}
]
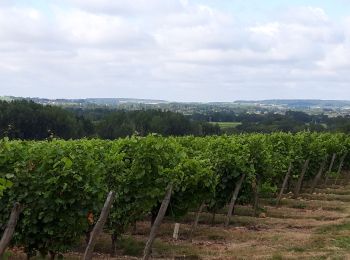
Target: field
[
  {"x": 63, "y": 184},
  {"x": 313, "y": 226},
  {"x": 225, "y": 125}
]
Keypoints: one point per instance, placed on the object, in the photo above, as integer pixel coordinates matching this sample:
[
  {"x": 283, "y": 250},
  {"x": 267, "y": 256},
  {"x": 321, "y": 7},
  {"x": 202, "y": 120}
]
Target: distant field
[{"x": 225, "y": 125}]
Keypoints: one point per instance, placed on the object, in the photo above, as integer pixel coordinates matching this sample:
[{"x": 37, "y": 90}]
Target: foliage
[
  {"x": 31, "y": 121},
  {"x": 142, "y": 169},
  {"x": 63, "y": 184},
  {"x": 27, "y": 120},
  {"x": 58, "y": 183},
  {"x": 4, "y": 184}
]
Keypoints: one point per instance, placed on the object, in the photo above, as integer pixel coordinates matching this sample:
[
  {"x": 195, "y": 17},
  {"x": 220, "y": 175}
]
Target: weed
[
  {"x": 131, "y": 246},
  {"x": 216, "y": 237},
  {"x": 298, "y": 249},
  {"x": 342, "y": 242},
  {"x": 299, "y": 205},
  {"x": 277, "y": 257}
]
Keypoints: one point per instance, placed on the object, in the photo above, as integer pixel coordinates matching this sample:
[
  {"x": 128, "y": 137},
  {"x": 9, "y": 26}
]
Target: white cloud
[
  {"x": 129, "y": 8},
  {"x": 20, "y": 25},
  {"x": 170, "y": 49},
  {"x": 313, "y": 16},
  {"x": 83, "y": 28}
]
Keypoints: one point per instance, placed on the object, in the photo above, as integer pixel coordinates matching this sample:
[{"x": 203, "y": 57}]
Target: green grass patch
[
  {"x": 180, "y": 251},
  {"x": 333, "y": 191},
  {"x": 299, "y": 205},
  {"x": 315, "y": 204},
  {"x": 225, "y": 125},
  {"x": 328, "y": 197},
  {"x": 298, "y": 249},
  {"x": 130, "y": 246},
  {"x": 189, "y": 257},
  {"x": 215, "y": 237},
  {"x": 7, "y": 255},
  {"x": 318, "y": 242},
  {"x": 333, "y": 229},
  {"x": 277, "y": 257},
  {"x": 342, "y": 242}
]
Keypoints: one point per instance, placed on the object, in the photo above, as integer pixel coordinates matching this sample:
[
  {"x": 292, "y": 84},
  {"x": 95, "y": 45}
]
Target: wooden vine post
[
  {"x": 341, "y": 164},
  {"x": 256, "y": 189},
  {"x": 285, "y": 181},
  {"x": 301, "y": 178},
  {"x": 346, "y": 178},
  {"x": 196, "y": 220},
  {"x": 213, "y": 215},
  {"x": 233, "y": 200},
  {"x": 176, "y": 231},
  {"x": 319, "y": 174},
  {"x": 155, "y": 227},
  {"x": 10, "y": 228},
  {"x": 99, "y": 226},
  {"x": 330, "y": 168}
]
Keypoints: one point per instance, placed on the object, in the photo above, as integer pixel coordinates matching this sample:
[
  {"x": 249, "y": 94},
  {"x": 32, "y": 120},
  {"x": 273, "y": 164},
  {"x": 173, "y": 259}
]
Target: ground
[{"x": 314, "y": 226}]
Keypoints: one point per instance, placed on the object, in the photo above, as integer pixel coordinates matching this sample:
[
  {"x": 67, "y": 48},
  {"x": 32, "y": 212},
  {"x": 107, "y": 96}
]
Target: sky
[{"x": 176, "y": 50}]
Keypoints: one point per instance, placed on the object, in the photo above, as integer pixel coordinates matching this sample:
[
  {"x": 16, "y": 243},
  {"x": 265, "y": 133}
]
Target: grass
[
  {"x": 215, "y": 237},
  {"x": 300, "y": 205},
  {"x": 131, "y": 246},
  {"x": 298, "y": 249},
  {"x": 178, "y": 250},
  {"x": 330, "y": 205},
  {"x": 328, "y": 197},
  {"x": 334, "y": 229},
  {"x": 277, "y": 257},
  {"x": 333, "y": 190},
  {"x": 342, "y": 242},
  {"x": 225, "y": 125},
  {"x": 7, "y": 255}
]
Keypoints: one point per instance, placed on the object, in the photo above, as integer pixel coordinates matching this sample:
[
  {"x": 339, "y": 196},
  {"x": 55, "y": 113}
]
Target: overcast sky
[{"x": 177, "y": 50}]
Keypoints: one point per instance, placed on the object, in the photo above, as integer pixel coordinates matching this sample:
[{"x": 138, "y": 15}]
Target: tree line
[
  {"x": 291, "y": 121},
  {"x": 31, "y": 121}
]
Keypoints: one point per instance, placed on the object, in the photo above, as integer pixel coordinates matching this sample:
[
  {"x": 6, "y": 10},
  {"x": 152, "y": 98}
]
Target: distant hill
[
  {"x": 87, "y": 101},
  {"x": 189, "y": 108},
  {"x": 299, "y": 103}
]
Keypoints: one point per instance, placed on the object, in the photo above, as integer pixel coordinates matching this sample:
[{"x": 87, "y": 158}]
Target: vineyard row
[{"x": 62, "y": 185}]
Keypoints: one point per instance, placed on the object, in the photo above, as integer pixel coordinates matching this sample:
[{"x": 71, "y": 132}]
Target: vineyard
[{"x": 62, "y": 185}]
